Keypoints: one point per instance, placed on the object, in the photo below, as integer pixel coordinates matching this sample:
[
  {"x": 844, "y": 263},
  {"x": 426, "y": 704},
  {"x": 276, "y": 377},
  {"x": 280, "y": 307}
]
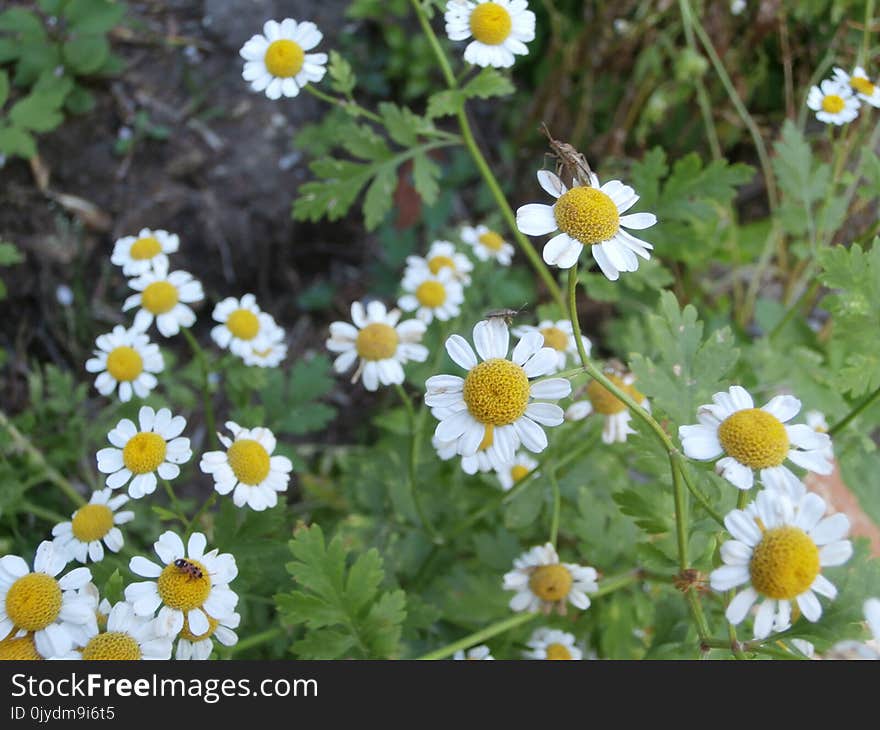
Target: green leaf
[
  {"x": 9, "y": 254},
  {"x": 403, "y": 125},
  {"x": 444, "y": 103},
  {"x": 19, "y": 20},
  {"x": 80, "y": 101},
  {"x": 332, "y": 196},
  {"x": 17, "y": 142},
  {"x": 380, "y": 197},
  {"x": 113, "y": 588},
  {"x": 85, "y": 53},
  {"x": 4, "y": 87},
  {"x": 342, "y": 77},
  {"x": 363, "y": 142},
  {"x": 426, "y": 174},
  {"x": 94, "y": 16},
  {"x": 488, "y": 83}
]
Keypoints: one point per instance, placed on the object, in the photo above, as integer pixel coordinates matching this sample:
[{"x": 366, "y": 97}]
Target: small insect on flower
[
  {"x": 504, "y": 314},
  {"x": 189, "y": 568},
  {"x": 569, "y": 160}
]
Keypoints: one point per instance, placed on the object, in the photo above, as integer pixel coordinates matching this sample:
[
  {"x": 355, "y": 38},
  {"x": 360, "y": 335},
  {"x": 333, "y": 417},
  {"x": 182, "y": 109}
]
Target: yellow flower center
[
  {"x": 438, "y": 262},
  {"x": 144, "y": 452},
  {"x": 284, "y": 58},
  {"x": 587, "y": 214},
  {"x": 185, "y": 632},
  {"x": 555, "y": 338},
  {"x": 755, "y": 438},
  {"x": 20, "y": 649},
  {"x": 785, "y": 563},
  {"x": 145, "y": 248},
  {"x": 496, "y": 391},
  {"x": 160, "y": 297},
  {"x": 180, "y": 589},
  {"x": 862, "y": 85},
  {"x": 491, "y": 240},
  {"x": 249, "y": 461},
  {"x": 833, "y": 104},
  {"x": 488, "y": 437},
  {"x": 431, "y": 294},
  {"x": 557, "y": 651},
  {"x": 518, "y": 471},
  {"x": 605, "y": 402},
  {"x": 490, "y": 24},
  {"x": 33, "y": 601},
  {"x": 92, "y": 521},
  {"x": 550, "y": 582},
  {"x": 124, "y": 363},
  {"x": 112, "y": 645},
  {"x": 377, "y": 341},
  {"x": 243, "y": 324}
]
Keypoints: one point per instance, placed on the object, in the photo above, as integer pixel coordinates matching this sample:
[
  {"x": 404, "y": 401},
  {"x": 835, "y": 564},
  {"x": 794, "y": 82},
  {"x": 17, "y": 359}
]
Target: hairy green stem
[
  {"x": 52, "y": 475},
  {"x": 207, "y": 398}
]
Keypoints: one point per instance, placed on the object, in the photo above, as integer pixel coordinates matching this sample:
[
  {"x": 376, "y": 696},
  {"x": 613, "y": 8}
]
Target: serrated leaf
[
  {"x": 15, "y": 141},
  {"x": 342, "y": 77},
  {"x": 363, "y": 142},
  {"x": 380, "y": 196},
  {"x": 445, "y": 103},
  {"x": 333, "y": 195},
  {"x": 9, "y": 254},
  {"x": 488, "y": 83},
  {"x": 426, "y": 174},
  {"x": 323, "y": 644},
  {"x": 403, "y": 125},
  {"x": 85, "y": 53}
]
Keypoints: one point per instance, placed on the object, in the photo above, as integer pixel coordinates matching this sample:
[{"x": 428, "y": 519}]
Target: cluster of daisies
[{"x": 838, "y": 100}]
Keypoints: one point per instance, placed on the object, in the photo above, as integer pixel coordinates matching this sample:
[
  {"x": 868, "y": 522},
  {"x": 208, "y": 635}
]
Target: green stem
[
  {"x": 843, "y": 422},
  {"x": 52, "y": 475},
  {"x": 557, "y": 506},
  {"x": 264, "y": 637},
  {"x": 698, "y": 494},
  {"x": 199, "y": 354},
  {"x": 483, "y": 166},
  {"x": 864, "y": 54},
  {"x": 175, "y": 504},
  {"x": 415, "y": 428},
  {"x": 480, "y": 636},
  {"x": 750, "y": 646},
  {"x": 193, "y": 523},
  {"x": 43, "y": 513},
  {"x": 351, "y": 107}
]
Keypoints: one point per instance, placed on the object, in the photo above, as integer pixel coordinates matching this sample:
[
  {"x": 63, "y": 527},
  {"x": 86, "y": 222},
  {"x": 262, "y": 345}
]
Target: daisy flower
[
  {"x": 478, "y": 653},
  {"x": 431, "y": 295},
  {"x": 382, "y": 345},
  {"x": 269, "y": 353},
  {"x": 866, "y": 90},
  {"x": 519, "y": 469},
  {"x": 588, "y": 215},
  {"x": 560, "y": 336},
  {"x": 243, "y": 326},
  {"x": 19, "y": 648},
  {"x": 487, "y": 244},
  {"x": 486, "y": 458},
  {"x": 200, "y": 646},
  {"x": 276, "y": 61},
  {"x": 541, "y": 582},
  {"x": 92, "y": 524},
  {"x": 602, "y": 401},
  {"x": 500, "y": 29},
  {"x": 872, "y": 616},
  {"x": 754, "y": 438},
  {"x": 248, "y": 467},
  {"x": 164, "y": 297},
  {"x": 138, "y": 454},
  {"x": 816, "y": 421},
  {"x": 138, "y": 254},
  {"x": 189, "y": 584},
  {"x": 778, "y": 550},
  {"x": 496, "y": 392},
  {"x": 127, "y": 637},
  {"x": 125, "y": 358},
  {"x": 40, "y": 603},
  {"x": 833, "y": 102},
  {"x": 547, "y": 643},
  {"x": 442, "y": 255}
]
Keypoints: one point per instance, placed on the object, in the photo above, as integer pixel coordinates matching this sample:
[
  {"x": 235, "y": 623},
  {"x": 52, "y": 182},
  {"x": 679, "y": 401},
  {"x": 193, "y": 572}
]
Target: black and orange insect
[{"x": 191, "y": 569}]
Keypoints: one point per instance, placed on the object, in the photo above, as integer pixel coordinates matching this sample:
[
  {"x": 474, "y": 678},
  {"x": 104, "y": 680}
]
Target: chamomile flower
[
  {"x": 142, "y": 451},
  {"x": 19, "y": 648},
  {"x": 277, "y": 61},
  {"x": 560, "y": 336},
  {"x": 872, "y": 616},
  {"x": 865, "y": 89},
  {"x": 248, "y": 467},
  {"x": 541, "y": 582},
  {"x": 487, "y": 244},
  {"x": 754, "y": 438},
  {"x": 496, "y": 393},
  {"x": 476, "y": 653},
  {"x": 40, "y": 603},
  {"x": 93, "y": 524},
  {"x": 243, "y": 326},
  {"x": 442, "y": 255},
  {"x": 816, "y": 421},
  {"x": 139, "y": 254},
  {"x": 431, "y": 295},
  {"x": 164, "y": 296},
  {"x": 267, "y": 354},
  {"x": 778, "y": 550},
  {"x": 521, "y": 466},
  {"x": 552, "y": 644},
  {"x": 833, "y": 102},
  {"x": 380, "y": 342},
  {"x": 125, "y": 358},
  {"x": 200, "y": 646},
  {"x": 189, "y": 584},
  {"x": 126, "y": 637},
  {"x": 602, "y": 401},
  {"x": 500, "y": 29},
  {"x": 588, "y": 215}
]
